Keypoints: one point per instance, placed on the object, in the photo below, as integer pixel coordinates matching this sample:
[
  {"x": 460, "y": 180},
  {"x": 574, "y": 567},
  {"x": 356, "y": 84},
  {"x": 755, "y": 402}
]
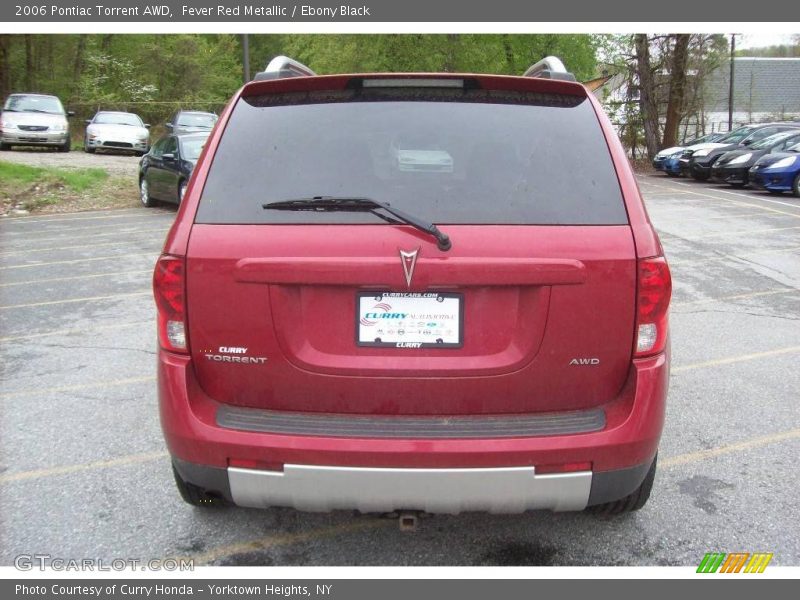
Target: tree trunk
[
  {"x": 677, "y": 90},
  {"x": 5, "y": 71},
  {"x": 29, "y": 78},
  {"x": 647, "y": 93}
]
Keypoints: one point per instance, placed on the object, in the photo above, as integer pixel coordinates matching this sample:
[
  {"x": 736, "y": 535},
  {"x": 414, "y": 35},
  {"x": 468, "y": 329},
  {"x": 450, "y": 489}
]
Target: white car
[
  {"x": 34, "y": 120},
  {"x": 112, "y": 130}
]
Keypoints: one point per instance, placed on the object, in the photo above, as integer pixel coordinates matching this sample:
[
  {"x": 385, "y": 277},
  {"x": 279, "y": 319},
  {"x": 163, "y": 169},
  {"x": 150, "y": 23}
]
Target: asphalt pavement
[{"x": 84, "y": 471}]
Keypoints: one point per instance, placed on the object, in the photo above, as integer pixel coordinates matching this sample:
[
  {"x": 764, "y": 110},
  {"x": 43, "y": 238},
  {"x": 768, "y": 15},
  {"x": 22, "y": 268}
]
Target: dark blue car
[{"x": 778, "y": 172}]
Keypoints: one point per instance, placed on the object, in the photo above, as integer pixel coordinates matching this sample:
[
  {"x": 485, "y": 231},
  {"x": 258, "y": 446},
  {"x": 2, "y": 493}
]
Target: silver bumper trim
[{"x": 495, "y": 490}]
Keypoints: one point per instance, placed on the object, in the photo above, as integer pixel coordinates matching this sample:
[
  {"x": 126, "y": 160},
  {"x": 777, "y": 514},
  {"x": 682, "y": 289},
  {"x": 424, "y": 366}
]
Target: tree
[
  {"x": 677, "y": 90},
  {"x": 647, "y": 93}
]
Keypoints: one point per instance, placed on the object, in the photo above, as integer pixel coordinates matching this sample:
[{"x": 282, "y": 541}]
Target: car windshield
[
  {"x": 770, "y": 141},
  {"x": 191, "y": 147},
  {"x": 117, "y": 119},
  {"x": 43, "y": 104},
  {"x": 736, "y": 136},
  {"x": 450, "y": 156},
  {"x": 197, "y": 120}
]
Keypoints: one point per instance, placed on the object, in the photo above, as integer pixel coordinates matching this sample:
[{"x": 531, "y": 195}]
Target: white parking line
[
  {"x": 84, "y": 246},
  {"x": 73, "y": 300},
  {"x": 34, "y": 221},
  {"x": 74, "y": 277},
  {"x": 83, "y": 331},
  {"x": 66, "y": 237},
  {"x": 71, "y": 262}
]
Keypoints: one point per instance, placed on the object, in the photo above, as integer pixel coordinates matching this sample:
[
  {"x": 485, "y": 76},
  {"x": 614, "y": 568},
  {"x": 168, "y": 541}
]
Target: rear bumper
[{"x": 319, "y": 472}]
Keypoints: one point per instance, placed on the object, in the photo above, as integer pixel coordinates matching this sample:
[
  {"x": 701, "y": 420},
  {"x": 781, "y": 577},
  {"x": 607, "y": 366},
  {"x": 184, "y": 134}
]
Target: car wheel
[
  {"x": 796, "y": 186},
  {"x": 144, "y": 193},
  {"x": 140, "y": 153},
  {"x": 671, "y": 174},
  {"x": 776, "y": 192},
  {"x": 66, "y": 146},
  {"x": 181, "y": 191},
  {"x": 633, "y": 501},
  {"x": 89, "y": 150},
  {"x": 195, "y": 495},
  {"x": 700, "y": 176},
  {"x": 5, "y": 147},
  {"x": 738, "y": 186}
]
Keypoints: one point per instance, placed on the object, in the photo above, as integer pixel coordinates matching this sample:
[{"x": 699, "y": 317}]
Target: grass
[
  {"x": 51, "y": 189},
  {"x": 78, "y": 180}
]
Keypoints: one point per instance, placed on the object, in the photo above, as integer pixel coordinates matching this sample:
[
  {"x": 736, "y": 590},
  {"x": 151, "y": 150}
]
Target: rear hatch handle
[{"x": 353, "y": 204}]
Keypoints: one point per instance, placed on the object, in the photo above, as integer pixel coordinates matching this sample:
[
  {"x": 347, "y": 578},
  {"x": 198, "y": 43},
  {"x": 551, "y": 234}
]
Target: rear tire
[
  {"x": 700, "y": 177},
  {"x": 633, "y": 501},
  {"x": 5, "y": 147},
  {"x": 796, "y": 186},
  {"x": 65, "y": 147},
  {"x": 90, "y": 150},
  {"x": 194, "y": 495},
  {"x": 144, "y": 193}
]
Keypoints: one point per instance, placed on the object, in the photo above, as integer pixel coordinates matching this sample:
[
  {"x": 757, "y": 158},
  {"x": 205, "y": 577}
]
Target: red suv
[{"x": 324, "y": 345}]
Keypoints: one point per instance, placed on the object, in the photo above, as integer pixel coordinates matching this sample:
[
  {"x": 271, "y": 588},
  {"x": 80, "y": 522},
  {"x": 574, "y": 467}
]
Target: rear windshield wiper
[{"x": 349, "y": 204}]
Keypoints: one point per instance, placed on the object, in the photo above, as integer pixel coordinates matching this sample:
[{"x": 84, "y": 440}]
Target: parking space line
[
  {"x": 737, "y": 202},
  {"x": 737, "y": 297},
  {"x": 735, "y": 359},
  {"x": 80, "y": 386},
  {"x": 695, "y": 261},
  {"x": 73, "y": 300},
  {"x": 122, "y": 461},
  {"x": 31, "y": 235},
  {"x": 749, "y": 444},
  {"x": 34, "y": 221},
  {"x": 72, "y": 261},
  {"x": 84, "y": 246},
  {"x": 74, "y": 277},
  {"x": 748, "y": 196},
  {"x": 31, "y": 336},
  {"x": 116, "y": 233}
]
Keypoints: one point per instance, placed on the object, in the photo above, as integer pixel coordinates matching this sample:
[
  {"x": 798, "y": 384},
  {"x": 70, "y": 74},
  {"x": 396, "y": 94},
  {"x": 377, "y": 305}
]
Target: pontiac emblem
[{"x": 409, "y": 261}]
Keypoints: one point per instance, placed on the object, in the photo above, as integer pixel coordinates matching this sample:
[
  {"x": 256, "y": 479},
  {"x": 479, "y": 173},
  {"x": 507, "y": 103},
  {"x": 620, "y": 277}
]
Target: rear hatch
[{"x": 356, "y": 311}]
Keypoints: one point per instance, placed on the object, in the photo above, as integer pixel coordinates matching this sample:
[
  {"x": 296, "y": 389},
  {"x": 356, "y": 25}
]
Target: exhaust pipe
[{"x": 408, "y": 521}]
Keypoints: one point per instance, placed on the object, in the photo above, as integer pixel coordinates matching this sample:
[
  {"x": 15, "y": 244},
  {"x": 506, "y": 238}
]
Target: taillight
[
  {"x": 169, "y": 289},
  {"x": 654, "y": 289}
]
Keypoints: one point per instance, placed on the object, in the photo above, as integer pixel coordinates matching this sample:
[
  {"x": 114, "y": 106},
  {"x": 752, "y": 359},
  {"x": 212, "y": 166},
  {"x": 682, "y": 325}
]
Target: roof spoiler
[
  {"x": 549, "y": 67},
  {"x": 282, "y": 67}
]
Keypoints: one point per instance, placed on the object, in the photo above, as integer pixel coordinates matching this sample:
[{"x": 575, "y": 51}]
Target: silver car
[
  {"x": 115, "y": 130},
  {"x": 34, "y": 120}
]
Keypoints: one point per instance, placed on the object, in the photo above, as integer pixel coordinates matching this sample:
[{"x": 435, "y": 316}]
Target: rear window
[{"x": 448, "y": 156}]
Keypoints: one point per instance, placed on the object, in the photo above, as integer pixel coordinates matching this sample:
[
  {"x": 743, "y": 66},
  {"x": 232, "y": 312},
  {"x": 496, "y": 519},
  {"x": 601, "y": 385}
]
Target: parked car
[
  {"x": 191, "y": 121},
  {"x": 733, "y": 167},
  {"x": 115, "y": 130},
  {"x": 778, "y": 172},
  {"x": 34, "y": 120},
  {"x": 667, "y": 160},
  {"x": 165, "y": 170},
  {"x": 698, "y": 160},
  {"x": 339, "y": 332}
]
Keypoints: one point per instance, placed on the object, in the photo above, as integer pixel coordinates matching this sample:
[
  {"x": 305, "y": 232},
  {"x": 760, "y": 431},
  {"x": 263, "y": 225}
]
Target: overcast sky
[{"x": 759, "y": 40}]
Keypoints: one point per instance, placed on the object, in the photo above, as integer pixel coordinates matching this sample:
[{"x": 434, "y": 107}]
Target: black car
[
  {"x": 698, "y": 162},
  {"x": 191, "y": 121},
  {"x": 165, "y": 170},
  {"x": 733, "y": 167}
]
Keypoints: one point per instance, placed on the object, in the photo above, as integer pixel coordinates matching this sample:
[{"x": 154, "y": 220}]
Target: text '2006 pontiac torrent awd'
[{"x": 324, "y": 345}]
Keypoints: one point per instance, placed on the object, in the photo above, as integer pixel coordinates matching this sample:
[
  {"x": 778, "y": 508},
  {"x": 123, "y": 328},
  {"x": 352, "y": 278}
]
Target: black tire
[
  {"x": 144, "y": 193},
  {"x": 89, "y": 150},
  {"x": 5, "y": 147},
  {"x": 738, "y": 186},
  {"x": 196, "y": 496},
  {"x": 140, "y": 153},
  {"x": 796, "y": 186},
  {"x": 671, "y": 174},
  {"x": 776, "y": 192},
  {"x": 633, "y": 501},
  {"x": 65, "y": 147},
  {"x": 700, "y": 176}
]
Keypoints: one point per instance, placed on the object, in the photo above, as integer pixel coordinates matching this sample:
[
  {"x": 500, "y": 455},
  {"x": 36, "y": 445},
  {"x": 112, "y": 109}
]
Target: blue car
[
  {"x": 779, "y": 172},
  {"x": 667, "y": 159}
]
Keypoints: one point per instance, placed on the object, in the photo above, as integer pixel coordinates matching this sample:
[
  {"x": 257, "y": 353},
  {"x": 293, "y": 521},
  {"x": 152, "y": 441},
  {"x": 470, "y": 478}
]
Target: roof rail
[
  {"x": 281, "y": 67},
  {"x": 549, "y": 67}
]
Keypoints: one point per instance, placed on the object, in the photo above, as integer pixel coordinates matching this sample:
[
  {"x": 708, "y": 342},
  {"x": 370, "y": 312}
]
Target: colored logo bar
[{"x": 735, "y": 562}]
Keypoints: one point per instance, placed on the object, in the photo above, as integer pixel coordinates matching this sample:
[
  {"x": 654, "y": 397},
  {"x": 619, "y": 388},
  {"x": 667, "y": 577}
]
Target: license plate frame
[{"x": 406, "y": 333}]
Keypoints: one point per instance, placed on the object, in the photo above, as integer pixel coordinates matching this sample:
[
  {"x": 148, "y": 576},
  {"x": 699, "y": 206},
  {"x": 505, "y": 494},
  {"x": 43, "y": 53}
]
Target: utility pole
[
  {"x": 730, "y": 90},
  {"x": 245, "y": 57}
]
